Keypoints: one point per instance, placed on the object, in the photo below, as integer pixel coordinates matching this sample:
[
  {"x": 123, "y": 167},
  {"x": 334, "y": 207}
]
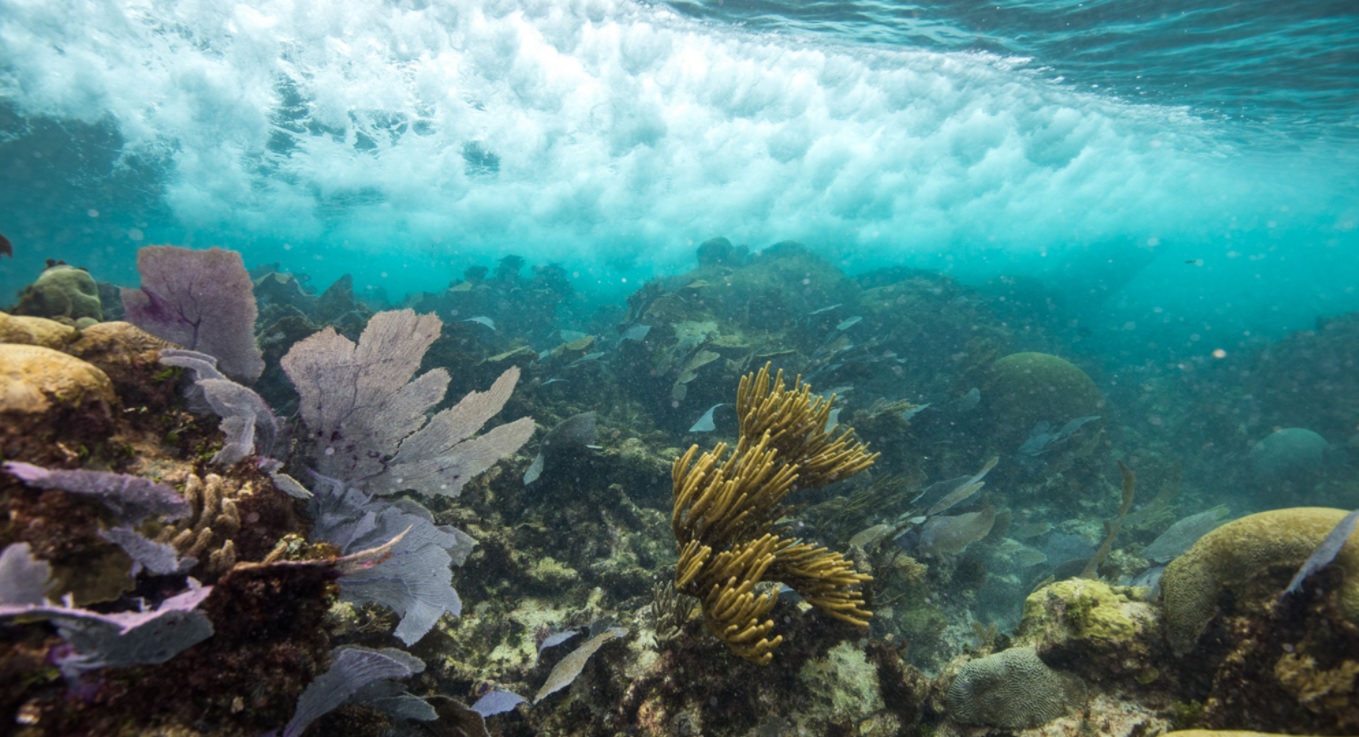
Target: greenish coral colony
[{"x": 1262, "y": 545}]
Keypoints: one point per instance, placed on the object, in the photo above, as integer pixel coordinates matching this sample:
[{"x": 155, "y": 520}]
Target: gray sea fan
[
  {"x": 130, "y": 498},
  {"x": 353, "y": 669},
  {"x": 116, "y": 640},
  {"x": 1180, "y": 536},
  {"x": 247, "y": 421},
  {"x": 416, "y": 581},
  {"x": 366, "y": 415}
]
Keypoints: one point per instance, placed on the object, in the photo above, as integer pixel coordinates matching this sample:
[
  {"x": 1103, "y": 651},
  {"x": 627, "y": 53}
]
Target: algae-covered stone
[
  {"x": 1023, "y": 389},
  {"x": 843, "y": 683},
  {"x": 1093, "y": 628},
  {"x": 34, "y": 378},
  {"x": 62, "y": 291},
  {"x": 1268, "y": 544}
]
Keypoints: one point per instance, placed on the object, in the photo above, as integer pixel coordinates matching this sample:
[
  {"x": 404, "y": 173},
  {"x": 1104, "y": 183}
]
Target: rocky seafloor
[{"x": 1022, "y": 492}]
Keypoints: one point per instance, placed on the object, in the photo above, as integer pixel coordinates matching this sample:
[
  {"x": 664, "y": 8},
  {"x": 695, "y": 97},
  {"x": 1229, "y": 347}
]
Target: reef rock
[
  {"x": 1094, "y": 629},
  {"x": 29, "y": 330}
]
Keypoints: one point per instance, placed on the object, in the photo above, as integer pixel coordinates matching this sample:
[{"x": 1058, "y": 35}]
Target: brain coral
[
  {"x": 1273, "y": 543},
  {"x": 1023, "y": 389},
  {"x": 1012, "y": 689}
]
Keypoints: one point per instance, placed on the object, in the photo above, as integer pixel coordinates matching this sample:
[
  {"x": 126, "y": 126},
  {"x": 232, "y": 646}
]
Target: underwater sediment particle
[
  {"x": 33, "y": 379},
  {"x": 1272, "y": 543},
  {"x": 62, "y": 291},
  {"x": 1023, "y": 389},
  {"x": 1012, "y": 689}
]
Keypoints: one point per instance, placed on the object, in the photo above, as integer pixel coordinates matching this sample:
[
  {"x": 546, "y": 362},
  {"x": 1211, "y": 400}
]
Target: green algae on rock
[{"x": 1093, "y": 628}]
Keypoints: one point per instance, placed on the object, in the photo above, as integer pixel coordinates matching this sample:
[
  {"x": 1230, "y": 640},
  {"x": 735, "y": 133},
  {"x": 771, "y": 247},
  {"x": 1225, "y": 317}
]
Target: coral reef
[{"x": 578, "y": 590}]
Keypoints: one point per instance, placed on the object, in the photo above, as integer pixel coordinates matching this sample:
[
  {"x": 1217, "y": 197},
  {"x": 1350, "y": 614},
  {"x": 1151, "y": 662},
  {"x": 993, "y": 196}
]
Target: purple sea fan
[
  {"x": 202, "y": 300},
  {"x": 247, "y": 421},
  {"x": 366, "y": 415},
  {"x": 415, "y": 581},
  {"x": 130, "y": 498},
  {"x": 116, "y": 640}
]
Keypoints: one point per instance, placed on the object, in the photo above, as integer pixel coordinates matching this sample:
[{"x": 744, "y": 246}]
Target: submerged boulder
[
  {"x": 1024, "y": 389},
  {"x": 1094, "y": 629},
  {"x": 1286, "y": 452}
]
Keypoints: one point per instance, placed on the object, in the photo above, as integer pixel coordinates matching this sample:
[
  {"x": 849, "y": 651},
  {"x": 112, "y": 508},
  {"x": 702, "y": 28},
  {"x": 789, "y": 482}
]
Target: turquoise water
[{"x": 1192, "y": 164}]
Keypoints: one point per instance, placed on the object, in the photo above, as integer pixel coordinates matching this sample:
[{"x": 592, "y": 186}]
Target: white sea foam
[{"x": 611, "y": 136}]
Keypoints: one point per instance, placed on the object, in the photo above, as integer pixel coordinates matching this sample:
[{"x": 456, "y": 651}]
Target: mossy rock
[
  {"x": 1092, "y": 628},
  {"x": 62, "y": 291},
  {"x": 1023, "y": 389},
  {"x": 1269, "y": 545}
]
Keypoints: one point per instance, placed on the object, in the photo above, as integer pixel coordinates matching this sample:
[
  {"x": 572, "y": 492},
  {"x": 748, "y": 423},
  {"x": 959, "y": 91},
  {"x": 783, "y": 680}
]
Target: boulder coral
[
  {"x": 65, "y": 292},
  {"x": 1023, "y": 389},
  {"x": 1268, "y": 544},
  {"x": 1012, "y": 689}
]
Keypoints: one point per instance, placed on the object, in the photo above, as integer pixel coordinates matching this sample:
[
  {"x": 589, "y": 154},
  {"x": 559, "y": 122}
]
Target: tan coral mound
[
  {"x": 1269, "y": 543},
  {"x": 35, "y": 331},
  {"x": 33, "y": 379}
]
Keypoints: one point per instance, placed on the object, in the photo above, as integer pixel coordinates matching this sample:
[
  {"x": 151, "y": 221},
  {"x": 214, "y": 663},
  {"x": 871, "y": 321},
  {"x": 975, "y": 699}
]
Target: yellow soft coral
[{"x": 726, "y": 506}]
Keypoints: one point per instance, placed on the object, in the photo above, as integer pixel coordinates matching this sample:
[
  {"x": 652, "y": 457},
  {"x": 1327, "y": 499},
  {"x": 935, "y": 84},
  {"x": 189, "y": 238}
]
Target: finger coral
[{"x": 726, "y": 507}]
